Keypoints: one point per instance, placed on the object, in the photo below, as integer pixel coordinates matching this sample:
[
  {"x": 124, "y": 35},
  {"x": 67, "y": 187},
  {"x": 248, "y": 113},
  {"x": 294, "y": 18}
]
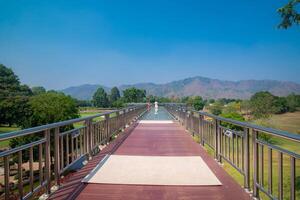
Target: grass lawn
[
  {"x": 288, "y": 122},
  {"x": 6, "y": 129}
]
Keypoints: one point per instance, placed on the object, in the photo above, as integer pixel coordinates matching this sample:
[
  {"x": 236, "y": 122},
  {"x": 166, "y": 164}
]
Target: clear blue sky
[{"x": 58, "y": 44}]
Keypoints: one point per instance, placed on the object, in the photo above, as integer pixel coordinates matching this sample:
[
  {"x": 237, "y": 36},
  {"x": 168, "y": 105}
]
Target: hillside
[{"x": 205, "y": 87}]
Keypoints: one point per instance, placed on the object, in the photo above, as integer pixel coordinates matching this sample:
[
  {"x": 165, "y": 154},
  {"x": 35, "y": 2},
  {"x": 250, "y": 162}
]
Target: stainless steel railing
[
  {"x": 54, "y": 151},
  {"x": 268, "y": 169}
]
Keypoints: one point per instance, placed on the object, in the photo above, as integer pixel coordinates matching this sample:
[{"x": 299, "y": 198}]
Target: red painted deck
[{"x": 152, "y": 140}]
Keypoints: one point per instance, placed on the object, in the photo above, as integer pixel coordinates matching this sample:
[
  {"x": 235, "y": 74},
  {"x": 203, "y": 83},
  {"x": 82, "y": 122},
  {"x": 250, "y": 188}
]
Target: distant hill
[
  {"x": 205, "y": 87},
  {"x": 83, "y": 92}
]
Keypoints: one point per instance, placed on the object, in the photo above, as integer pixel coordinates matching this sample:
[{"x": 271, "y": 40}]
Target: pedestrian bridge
[{"x": 134, "y": 153}]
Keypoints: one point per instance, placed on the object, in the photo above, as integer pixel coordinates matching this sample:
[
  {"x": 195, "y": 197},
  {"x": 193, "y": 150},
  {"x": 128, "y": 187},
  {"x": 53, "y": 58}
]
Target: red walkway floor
[
  {"x": 155, "y": 140},
  {"x": 151, "y": 140}
]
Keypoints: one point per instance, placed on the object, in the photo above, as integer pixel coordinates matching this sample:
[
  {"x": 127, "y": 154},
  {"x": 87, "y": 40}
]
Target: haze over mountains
[{"x": 205, "y": 87}]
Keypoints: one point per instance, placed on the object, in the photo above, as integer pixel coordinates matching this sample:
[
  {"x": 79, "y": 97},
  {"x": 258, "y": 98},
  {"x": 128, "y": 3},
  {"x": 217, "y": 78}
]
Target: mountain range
[{"x": 205, "y": 87}]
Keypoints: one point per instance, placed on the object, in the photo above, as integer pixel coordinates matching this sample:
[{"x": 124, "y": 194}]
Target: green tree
[
  {"x": 13, "y": 97},
  {"x": 216, "y": 108},
  {"x": 100, "y": 98},
  {"x": 114, "y": 94},
  {"x": 196, "y": 102},
  {"x": 232, "y": 107},
  {"x": 38, "y": 90},
  {"x": 293, "y": 102},
  {"x": 289, "y": 14},
  {"x": 234, "y": 116},
  {"x": 262, "y": 104},
  {"x": 134, "y": 95},
  {"x": 51, "y": 107},
  {"x": 46, "y": 108},
  {"x": 118, "y": 103},
  {"x": 280, "y": 105}
]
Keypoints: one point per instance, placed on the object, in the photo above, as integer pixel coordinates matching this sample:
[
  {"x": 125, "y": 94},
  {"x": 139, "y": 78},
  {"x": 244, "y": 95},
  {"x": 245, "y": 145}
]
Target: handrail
[
  {"x": 14, "y": 134},
  {"x": 60, "y": 149},
  {"x": 247, "y": 150},
  {"x": 275, "y": 132}
]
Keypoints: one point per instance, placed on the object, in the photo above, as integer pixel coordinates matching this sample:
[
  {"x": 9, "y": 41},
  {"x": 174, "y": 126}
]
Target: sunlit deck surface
[{"x": 151, "y": 140}]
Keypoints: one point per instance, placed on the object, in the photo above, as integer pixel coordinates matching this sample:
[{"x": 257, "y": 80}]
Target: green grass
[
  {"x": 288, "y": 122},
  {"x": 6, "y": 129}
]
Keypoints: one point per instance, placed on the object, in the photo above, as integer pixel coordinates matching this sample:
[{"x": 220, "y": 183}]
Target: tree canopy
[
  {"x": 289, "y": 14},
  {"x": 100, "y": 98},
  {"x": 134, "y": 95},
  {"x": 38, "y": 90},
  {"x": 13, "y": 97},
  {"x": 114, "y": 94}
]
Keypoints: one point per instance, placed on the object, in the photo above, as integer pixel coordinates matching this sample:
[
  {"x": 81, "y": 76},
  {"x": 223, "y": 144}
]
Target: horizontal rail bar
[
  {"x": 14, "y": 134},
  {"x": 20, "y": 148},
  {"x": 275, "y": 132}
]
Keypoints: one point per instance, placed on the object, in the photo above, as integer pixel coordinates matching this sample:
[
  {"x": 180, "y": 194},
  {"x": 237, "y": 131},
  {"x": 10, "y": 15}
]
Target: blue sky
[{"x": 58, "y": 44}]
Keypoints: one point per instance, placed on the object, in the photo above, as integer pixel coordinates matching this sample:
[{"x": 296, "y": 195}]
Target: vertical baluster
[
  {"x": 81, "y": 143},
  {"x": 218, "y": 140},
  {"x": 280, "y": 176},
  {"x": 6, "y": 177},
  {"x": 56, "y": 156},
  {"x": 62, "y": 152},
  {"x": 41, "y": 163},
  {"x": 229, "y": 148},
  {"x": 20, "y": 174},
  {"x": 233, "y": 147},
  {"x": 47, "y": 161},
  {"x": 255, "y": 164},
  {"x": 67, "y": 149},
  {"x": 31, "y": 168},
  {"x": 270, "y": 171},
  {"x": 262, "y": 165},
  {"x": 246, "y": 157},
  {"x": 72, "y": 149},
  {"x": 293, "y": 176},
  {"x": 238, "y": 151}
]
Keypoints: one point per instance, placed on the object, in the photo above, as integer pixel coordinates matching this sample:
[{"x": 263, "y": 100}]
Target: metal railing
[
  {"x": 54, "y": 148},
  {"x": 268, "y": 167}
]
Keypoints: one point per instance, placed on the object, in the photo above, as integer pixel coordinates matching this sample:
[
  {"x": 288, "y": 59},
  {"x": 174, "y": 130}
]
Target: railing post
[
  {"x": 6, "y": 177},
  {"x": 201, "y": 129},
  {"x": 255, "y": 164},
  {"x": 56, "y": 156},
  {"x": 107, "y": 128},
  {"x": 87, "y": 138},
  {"x": 117, "y": 125},
  {"x": 217, "y": 124},
  {"x": 246, "y": 159},
  {"x": 47, "y": 162}
]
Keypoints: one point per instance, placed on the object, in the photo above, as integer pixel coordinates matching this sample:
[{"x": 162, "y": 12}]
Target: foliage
[
  {"x": 196, "y": 102},
  {"x": 100, "y": 98},
  {"x": 293, "y": 102},
  {"x": 114, "y": 94},
  {"x": 50, "y": 107},
  {"x": 46, "y": 108},
  {"x": 246, "y": 106},
  {"x": 289, "y": 14},
  {"x": 134, "y": 95},
  {"x": 234, "y": 116},
  {"x": 216, "y": 108},
  {"x": 262, "y": 104},
  {"x": 118, "y": 103},
  {"x": 280, "y": 105},
  {"x": 83, "y": 103},
  {"x": 13, "y": 97},
  {"x": 232, "y": 107},
  {"x": 38, "y": 90}
]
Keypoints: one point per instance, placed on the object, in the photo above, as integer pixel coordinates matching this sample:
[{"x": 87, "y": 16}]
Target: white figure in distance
[{"x": 155, "y": 107}]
